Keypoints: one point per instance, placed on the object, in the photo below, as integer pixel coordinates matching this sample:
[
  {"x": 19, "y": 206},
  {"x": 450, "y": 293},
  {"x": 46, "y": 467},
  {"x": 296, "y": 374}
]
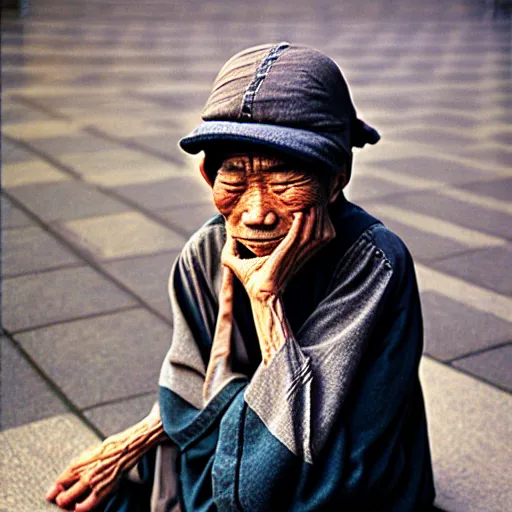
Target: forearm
[
  {"x": 95, "y": 473},
  {"x": 271, "y": 324},
  {"x": 134, "y": 442}
]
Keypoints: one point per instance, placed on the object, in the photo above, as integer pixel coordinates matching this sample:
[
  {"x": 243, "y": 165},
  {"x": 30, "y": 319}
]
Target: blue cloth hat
[{"x": 288, "y": 98}]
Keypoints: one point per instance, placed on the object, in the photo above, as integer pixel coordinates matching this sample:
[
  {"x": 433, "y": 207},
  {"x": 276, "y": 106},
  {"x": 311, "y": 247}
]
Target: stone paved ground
[{"x": 97, "y": 201}]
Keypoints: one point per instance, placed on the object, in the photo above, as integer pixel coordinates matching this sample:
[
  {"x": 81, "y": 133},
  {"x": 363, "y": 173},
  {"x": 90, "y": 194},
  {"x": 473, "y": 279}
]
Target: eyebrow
[
  {"x": 280, "y": 166},
  {"x": 272, "y": 167}
]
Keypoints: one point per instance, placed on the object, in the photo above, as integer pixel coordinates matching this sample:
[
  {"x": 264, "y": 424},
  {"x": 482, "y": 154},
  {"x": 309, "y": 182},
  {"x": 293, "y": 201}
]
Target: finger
[
  {"x": 229, "y": 255},
  {"x": 231, "y": 262},
  {"x": 289, "y": 241},
  {"x": 92, "y": 501},
  {"x": 54, "y": 491},
  {"x": 69, "y": 496},
  {"x": 227, "y": 283},
  {"x": 230, "y": 244},
  {"x": 308, "y": 231}
]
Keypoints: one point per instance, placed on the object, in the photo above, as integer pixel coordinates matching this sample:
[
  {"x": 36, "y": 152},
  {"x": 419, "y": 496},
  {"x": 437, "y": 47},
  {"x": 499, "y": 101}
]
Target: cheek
[{"x": 224, "y": 201}]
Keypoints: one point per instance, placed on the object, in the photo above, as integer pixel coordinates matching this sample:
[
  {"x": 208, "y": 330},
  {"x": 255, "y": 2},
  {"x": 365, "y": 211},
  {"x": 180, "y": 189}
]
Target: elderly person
[{"x": 292, "y": 378}]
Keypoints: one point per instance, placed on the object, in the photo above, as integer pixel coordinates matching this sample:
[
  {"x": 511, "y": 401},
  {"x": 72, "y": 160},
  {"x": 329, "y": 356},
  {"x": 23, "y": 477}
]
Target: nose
[{"x": 258, "y": 213}]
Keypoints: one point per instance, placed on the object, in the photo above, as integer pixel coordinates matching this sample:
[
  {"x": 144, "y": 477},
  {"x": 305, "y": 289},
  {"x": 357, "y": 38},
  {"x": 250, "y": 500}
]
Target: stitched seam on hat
[{"x": 260, "y": 75}]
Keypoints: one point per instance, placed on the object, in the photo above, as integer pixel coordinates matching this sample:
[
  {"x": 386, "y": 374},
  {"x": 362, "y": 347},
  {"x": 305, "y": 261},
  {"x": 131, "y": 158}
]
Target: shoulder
[
  {"x": 207, "y": 242},
  {"x": 392, "y": 247},
  {"x": 201, "y": 253},
  {"x": 377, "y": 256}
]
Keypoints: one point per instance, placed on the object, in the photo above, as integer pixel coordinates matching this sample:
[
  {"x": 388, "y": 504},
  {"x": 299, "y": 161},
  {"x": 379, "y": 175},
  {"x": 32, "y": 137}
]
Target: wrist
[{"x": 264, "y": 299}]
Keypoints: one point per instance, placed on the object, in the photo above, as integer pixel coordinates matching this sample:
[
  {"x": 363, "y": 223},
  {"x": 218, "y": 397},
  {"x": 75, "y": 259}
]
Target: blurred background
[{"x": 97, "y": 201}]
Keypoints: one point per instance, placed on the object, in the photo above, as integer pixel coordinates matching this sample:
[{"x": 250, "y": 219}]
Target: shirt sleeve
[
  {"x": 344, "y": 397},
  {"x": 331, "y": 420},
  {"x": 300, "y": 393}
]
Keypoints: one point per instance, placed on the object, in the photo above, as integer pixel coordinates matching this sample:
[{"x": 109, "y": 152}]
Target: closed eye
[
  {"x": 233, "y": 187},
  {"x": 279, "y": 188}
]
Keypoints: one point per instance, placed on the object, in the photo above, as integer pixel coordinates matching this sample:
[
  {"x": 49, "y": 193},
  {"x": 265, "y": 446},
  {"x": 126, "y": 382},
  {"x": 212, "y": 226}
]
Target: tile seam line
[
  {"x": 104, "y": 190},
  {"x": 67, "y": 402},
  {"x": 43, "y": 156},
  {"x": 113, "y": 194},
  {"x": 469, "y": 250},
  {"x": 34, "y": 105},
  {"x": 448, "y": 229},
  {"x": 40, "y": 271},
  {"x": 372, "y": 169},
  {"x": 478, "y": 352},
  {"x": 370, "y": 201},
  {"x": 470, "y": 375},
  {"x": 79, "y": 318},
  {"x": 115, "y": 401},
  {"x": 130, "y": 144},
  {"x": 436, "y": 259},
  {"x": 90, "y": 262},
  {"x": 501, "y": 303},
  {"x": 97, "y": 133}
]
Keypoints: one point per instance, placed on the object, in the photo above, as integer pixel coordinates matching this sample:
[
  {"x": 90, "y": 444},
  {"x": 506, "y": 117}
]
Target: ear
[
  {"x": 202, "y": 169},
  {"x": 337, "y": 185}
]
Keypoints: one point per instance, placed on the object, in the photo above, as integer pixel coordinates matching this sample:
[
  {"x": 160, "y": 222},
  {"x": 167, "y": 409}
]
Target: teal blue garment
[{"x": 337, "y": 420}]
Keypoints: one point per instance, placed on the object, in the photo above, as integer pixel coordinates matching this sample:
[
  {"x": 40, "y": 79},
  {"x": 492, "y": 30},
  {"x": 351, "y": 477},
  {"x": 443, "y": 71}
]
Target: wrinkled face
[{"x": 258, "y": 196}]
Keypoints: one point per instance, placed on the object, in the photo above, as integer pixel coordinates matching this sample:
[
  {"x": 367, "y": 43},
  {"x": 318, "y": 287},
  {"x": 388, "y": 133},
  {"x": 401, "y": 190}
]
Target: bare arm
[{"x": 96, "y": 473}]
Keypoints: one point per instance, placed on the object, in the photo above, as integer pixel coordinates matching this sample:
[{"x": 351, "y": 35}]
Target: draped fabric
[{"x": 336, "y": 421}]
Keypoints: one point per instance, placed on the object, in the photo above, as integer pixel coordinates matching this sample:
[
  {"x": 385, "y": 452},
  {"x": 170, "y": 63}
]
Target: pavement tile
[
  {"x": 31, "y": 171},
  {"x": 499, "y": 189},
  {"x": 363, "y": 188},
  {"x": 163, "y": 143},
  {"x": 148, "y": 277},
  {"x": 461, "y": 120},
  {"x": 103, "y": 160},
  {"x": 436, "y": 169},
  {"x": 189, "y": 218},
  {"x": 167, "y": 193},
  {"x": 488, "y": 267},
  {"x": 25, "y": 395},
  {"x": 81, "y": 143},
  {"x": 34, "y": 455},
  {"x": 469, "y": 426},
  {"x": 453, "y": 329},
  {"x": 120, "y": 235},
  {"x": 124, "y": 355},
  {"x": 493, "y": 365},
  {"x": 113, "y": 418},
  {"x": 66, "y": 201},
  {"x": 12, "y": 153},
  {"x": 32, "y": 249},
  {"x": 12, "y": 217},
  {"x": 14, "y": 113},
  {"x": 458, "y": 212},
  {"x": 439, "y": 138},
  {"x": 121, "y": 167},
  {"x": 40, "y": 129},
  {"x": 423, "y": 246},
  {"x": 494, "y": 155},
  {"x": 38, "y": 299}
]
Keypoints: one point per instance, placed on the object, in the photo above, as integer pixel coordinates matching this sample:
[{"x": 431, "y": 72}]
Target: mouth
[
  {"x": 260, "y": 240},
  {"x": 260, "y": 246}
]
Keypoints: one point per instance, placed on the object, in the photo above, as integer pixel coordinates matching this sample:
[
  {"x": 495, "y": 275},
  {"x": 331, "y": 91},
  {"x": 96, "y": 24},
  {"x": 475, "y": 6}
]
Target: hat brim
[{"x": 312, "y": 147}]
